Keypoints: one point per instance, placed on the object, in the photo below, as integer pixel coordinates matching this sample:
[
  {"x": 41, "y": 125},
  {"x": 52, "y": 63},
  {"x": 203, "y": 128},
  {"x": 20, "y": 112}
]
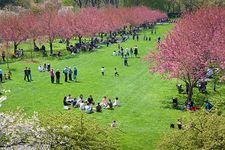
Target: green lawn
[{"x": 144, "y": 116}]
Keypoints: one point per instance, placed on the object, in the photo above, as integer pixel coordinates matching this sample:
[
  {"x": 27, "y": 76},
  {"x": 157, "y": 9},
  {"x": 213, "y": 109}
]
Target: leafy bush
[
  {"x": 205, "y": 130},
  {"x": 63, "y": 131},
  {"x": 74, "y": 131}
]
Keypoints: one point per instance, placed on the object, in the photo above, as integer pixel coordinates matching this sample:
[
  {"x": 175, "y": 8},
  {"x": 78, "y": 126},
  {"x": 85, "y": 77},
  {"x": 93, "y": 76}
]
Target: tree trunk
[
  {"x": 51, "y": 48},
  {"x": 34, "y": 42},
  {"x": 117, "y": 3},
  {"x": 93, "y": 3},
  {"x": 67, "y": 42},
  {"x": 7, "y": 55},
  {"x": 80, "y": 3},
  {"x": 190, "y": 92},
  {"x": 80, "y": 38},
  {"x": 15, "y": 47}
]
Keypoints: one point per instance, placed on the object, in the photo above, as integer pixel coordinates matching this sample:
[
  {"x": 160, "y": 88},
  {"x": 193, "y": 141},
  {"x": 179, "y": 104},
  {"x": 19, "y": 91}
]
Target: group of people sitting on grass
[
  {"x": 19, "y": 52},
  {"x": 5, "y": 76},
  {"x": 88, "y": 104},
  {"x": 45, "y": 67},
  {"x": 189, "y": 105},
  {"x": 83, "y": 46}
]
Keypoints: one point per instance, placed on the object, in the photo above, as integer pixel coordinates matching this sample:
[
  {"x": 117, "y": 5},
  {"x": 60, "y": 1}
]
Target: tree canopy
[{"x": 193, "y": 45}]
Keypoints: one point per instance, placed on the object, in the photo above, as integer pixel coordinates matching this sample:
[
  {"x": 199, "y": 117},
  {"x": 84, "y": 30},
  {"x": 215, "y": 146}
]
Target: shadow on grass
[
  {"x": 13, "y": 69},
  {"x": 198, "y": 99}
]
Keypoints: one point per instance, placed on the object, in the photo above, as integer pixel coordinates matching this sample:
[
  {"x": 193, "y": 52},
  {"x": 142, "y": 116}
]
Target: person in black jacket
[
  {"x": 26, "y": 74},
  {"x": 57, "y": 74}
]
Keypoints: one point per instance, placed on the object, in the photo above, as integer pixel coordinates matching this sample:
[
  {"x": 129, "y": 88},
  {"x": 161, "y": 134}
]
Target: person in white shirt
[
  {"x": 79, "y": 99},
  {"x": 82, "y": 107},
  {"x": 113, "y": 125},
  {"x": 114, "y": 53},
  {"x": 40, "y": 68},
  {"x": 69, "y": 98},
  {"x": 127, "y": 51},
  {"x": 88, "y": 109},
  {"x": 117, "y": 102},
  {"x": 103, "y": 71}
]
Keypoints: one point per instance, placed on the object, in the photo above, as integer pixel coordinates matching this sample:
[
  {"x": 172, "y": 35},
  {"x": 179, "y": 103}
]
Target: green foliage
[
  {"x": 74, "y": 131},
  {"x": 204, "y": 130},
  {"x": 68, "y": 2},
  {"x": 24, "y": 3},
  {"x": 38, "y": 1}
]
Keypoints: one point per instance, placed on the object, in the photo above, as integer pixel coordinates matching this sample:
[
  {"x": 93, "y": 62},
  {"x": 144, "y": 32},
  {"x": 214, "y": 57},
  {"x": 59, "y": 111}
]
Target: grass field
[{"x": 144, "y": 116}]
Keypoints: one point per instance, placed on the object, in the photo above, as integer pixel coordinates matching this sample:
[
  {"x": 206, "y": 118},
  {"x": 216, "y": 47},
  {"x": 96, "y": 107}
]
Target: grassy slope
[{"x": 143, "y": 117}]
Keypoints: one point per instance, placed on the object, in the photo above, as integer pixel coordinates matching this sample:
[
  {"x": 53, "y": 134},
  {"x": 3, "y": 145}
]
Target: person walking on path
[
  {"x": 65, "y": 71},
  {"x": 75, "y": 74},
  {"x": 57, "y": 74},
  {"x": 52, "y": 75}
]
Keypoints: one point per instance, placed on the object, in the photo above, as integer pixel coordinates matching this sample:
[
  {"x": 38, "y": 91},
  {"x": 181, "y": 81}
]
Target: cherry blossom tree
[
  {"x": 194, "y": 44},
  {"x": 12, "y": 29},
  {"x": 67, "y": 26},
  {"x": 32, "y": 24},
  {"x": 112, "y": 19},
  {"x": 50, "y": 26},
  {"x": 88, "y": 22}
]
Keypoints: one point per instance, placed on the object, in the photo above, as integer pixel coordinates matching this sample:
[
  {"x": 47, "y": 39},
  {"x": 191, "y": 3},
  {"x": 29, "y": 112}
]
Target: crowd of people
[
  {"x": 45, "y": 67},
  {"x": 70, "y": 75},
  {"x": 126, "y": 53},
  {"x": 89, "y": 105},
  {"x": 19, "y": 52}
]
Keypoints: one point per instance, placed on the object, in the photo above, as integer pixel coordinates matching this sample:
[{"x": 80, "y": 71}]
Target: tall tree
[
  {"x": 196, "y": 42},
  {"x": 33, "y": 25},
  {"x": 88, "y": 22},
  {"x": 13, "y": 29},
  {"x": 50, "y": 26}
]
